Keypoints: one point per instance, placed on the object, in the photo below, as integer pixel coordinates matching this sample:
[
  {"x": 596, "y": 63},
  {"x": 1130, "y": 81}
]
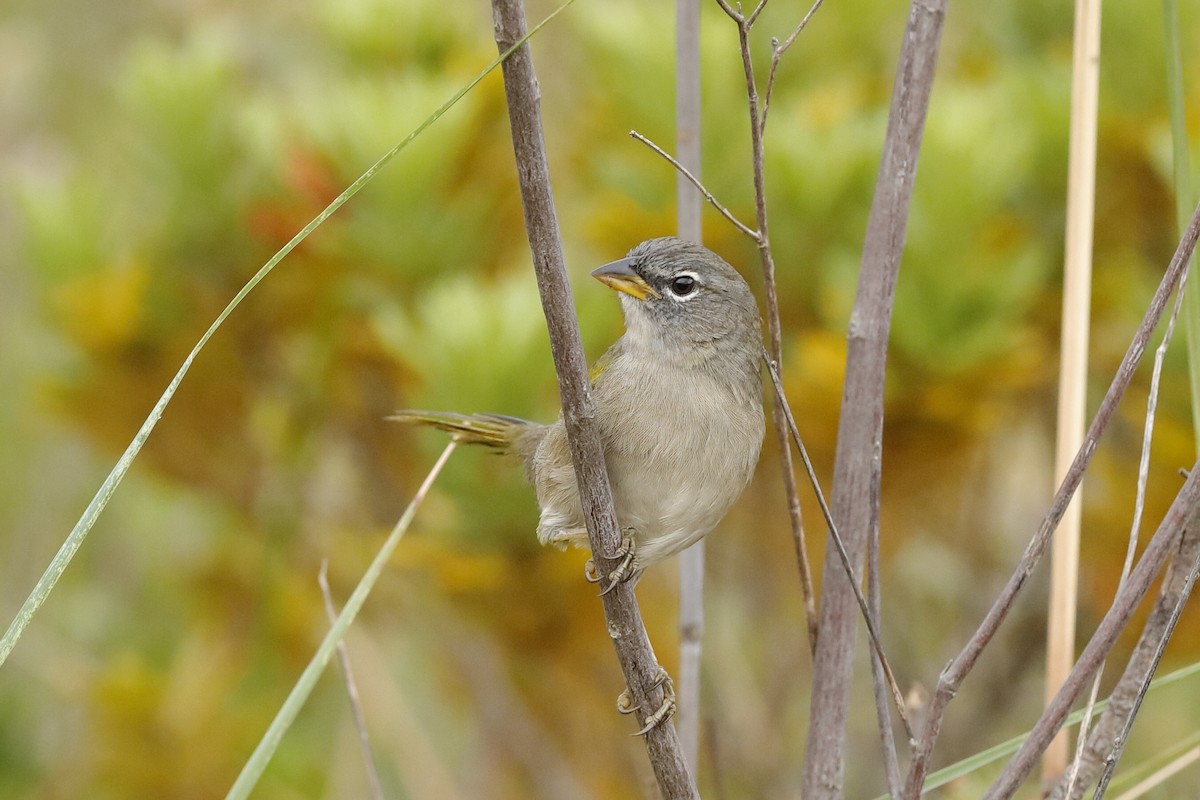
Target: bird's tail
[{"x": 491, "y": 430}]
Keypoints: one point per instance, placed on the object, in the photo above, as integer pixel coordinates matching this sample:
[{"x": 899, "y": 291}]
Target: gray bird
[{"x": 678, "y": 405}]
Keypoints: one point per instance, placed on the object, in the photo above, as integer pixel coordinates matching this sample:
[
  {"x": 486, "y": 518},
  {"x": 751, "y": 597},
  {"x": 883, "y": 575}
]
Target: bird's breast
[{"x": 681, "y": 445}]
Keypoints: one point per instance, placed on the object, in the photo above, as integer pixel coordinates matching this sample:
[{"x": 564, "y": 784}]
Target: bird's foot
[
  {"x": 665, "y": 711},
  {"x": 624, "y": 569}
]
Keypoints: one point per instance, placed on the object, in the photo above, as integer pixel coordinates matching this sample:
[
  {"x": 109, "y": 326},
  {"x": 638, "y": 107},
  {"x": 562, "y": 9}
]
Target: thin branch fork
[
  {"x": 623, "y": 617},
  {"x": 957, "y": 670}
]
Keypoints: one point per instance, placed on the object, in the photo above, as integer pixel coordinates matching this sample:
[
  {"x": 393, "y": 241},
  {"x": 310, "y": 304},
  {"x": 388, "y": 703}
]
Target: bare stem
[
  {"x": 872, "y": 630},
  {"x": 623, "y": 617},
  {"x": 1123, "y": 699},
  {"x": 962, "y": 664},
  {"x": 774, "y": 327},
  {"x": 685, "y": 172},
  {"x": 1165, "y": 540},
  {"x": 1118, "y": 747},
  {"x": 1139, "y": 505}
]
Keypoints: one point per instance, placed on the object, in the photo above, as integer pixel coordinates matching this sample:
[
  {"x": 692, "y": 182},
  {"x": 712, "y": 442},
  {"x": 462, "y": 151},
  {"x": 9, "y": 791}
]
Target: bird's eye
[{"x": 683, "y": 285}]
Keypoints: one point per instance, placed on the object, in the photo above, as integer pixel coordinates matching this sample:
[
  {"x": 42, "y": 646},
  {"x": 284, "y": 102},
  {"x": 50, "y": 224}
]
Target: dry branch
[
  {"x": 1164, "y": 542},
  {"x": 774, "y": 329},
  {"x": 860, "y": 431},
  {"x": 958, "y": 669},
  {"x": 1124, "y": 695},
  {"x": 624, "y": 621}
]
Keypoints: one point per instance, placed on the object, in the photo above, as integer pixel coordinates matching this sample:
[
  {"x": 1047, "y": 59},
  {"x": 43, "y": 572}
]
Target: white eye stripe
[{"x": 683, "y": 285}]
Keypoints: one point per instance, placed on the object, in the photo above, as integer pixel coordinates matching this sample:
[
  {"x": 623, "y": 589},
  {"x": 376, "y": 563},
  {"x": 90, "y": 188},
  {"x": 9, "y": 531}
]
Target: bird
[{"x": 678, "y": 400}]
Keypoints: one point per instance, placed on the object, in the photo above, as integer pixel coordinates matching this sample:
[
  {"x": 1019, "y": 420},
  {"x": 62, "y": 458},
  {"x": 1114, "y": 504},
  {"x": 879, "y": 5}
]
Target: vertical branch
[
  {"x": 1072, "y": 379},
  {"x": 962, "y": 664},
  {"x": 857, "y": 468},
  {"x": 774, "y": 328},
  {"x": 1180, "y": 515},
  {"x": 623, "y": 617},
  {"x": 689, "y": 202}
]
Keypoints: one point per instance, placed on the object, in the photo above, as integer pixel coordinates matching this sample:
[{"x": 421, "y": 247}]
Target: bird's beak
[{"x": 619, "y": 275}]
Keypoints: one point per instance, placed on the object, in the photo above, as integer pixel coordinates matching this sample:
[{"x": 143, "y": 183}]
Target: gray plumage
[{"x": 678, "y": 406}]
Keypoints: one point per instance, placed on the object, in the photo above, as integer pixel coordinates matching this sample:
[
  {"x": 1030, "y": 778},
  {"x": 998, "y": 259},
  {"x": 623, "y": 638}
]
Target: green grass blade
[
  {"x": 996, "y": 752},
  {"x": 63, "y": 557},
  {"x": 1184, "y": 202},
  {"x": 296, "y": 699}
]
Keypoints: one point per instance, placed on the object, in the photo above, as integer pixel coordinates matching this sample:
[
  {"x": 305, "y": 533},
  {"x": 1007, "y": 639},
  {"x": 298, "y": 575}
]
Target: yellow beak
[{"x": 619, "y": 275}]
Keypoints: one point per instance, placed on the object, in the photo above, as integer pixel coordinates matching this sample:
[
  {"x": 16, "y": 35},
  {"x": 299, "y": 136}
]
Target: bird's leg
[{"x": 665, "y": 711}]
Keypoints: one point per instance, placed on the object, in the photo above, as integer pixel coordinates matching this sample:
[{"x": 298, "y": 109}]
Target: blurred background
[{"x": 153, "y": 154}]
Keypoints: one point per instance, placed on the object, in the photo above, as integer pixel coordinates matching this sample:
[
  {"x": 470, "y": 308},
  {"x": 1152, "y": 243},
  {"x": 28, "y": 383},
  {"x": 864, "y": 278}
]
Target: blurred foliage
[{"x": 155, "y": 154}]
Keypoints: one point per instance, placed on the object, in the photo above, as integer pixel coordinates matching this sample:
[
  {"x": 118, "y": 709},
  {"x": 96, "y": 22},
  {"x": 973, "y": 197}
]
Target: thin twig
[
  {"x": 777, "y": 51},
  {"x": 1139, "y": 506},
  {"x": 758, "y": 9},
  {"x": 623, "y": 617},
  {"x": 962, "y": 664},
  {"x": 1120, "y": 701},
  {"x": 343, "y": 657},
  {"x": 737, "y": 223},
  {"x": 1118, "y": 747},
  {"x": 734, "y": 14},
  {"x": 1180, "y": 515},
  {"x": 774, "y": 326},
  {"x": 872, "y": 632}
]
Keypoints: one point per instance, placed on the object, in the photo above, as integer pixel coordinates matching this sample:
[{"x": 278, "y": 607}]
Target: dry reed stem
[{"x": 1072, "y": 392}]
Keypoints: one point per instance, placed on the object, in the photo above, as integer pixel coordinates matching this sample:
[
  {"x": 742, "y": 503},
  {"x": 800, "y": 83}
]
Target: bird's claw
[
  {"x": 665, "y": 711},
  {"x": 624, "y": 569}
]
